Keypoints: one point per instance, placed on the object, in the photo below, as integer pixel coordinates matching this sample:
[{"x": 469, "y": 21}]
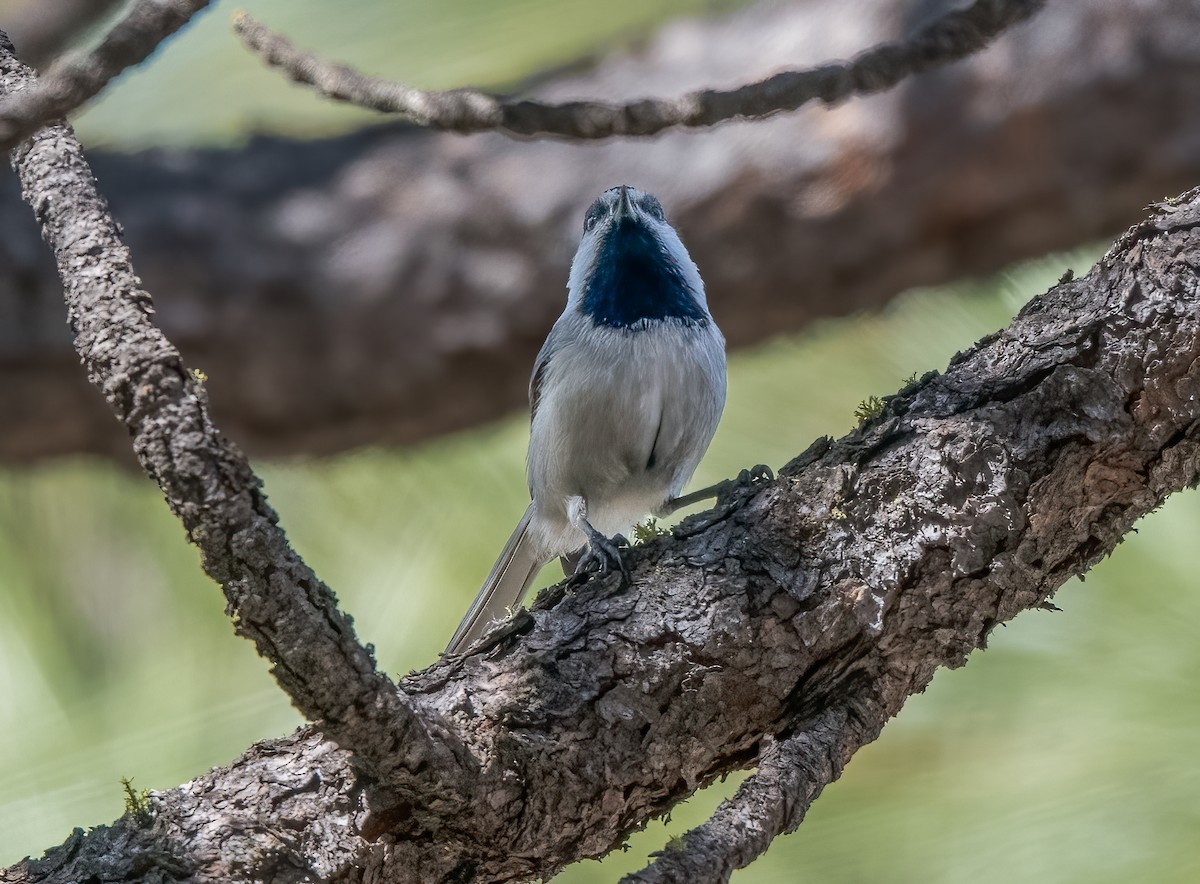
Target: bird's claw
[
  {"x": 602, "y": 557},
  {"x": 758, "y": 473},
  {"x": 732, "y": 491}
]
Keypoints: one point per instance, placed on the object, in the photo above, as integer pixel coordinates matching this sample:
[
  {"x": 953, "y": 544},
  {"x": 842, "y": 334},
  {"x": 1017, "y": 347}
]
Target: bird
[{"x": 625, "y": 396}]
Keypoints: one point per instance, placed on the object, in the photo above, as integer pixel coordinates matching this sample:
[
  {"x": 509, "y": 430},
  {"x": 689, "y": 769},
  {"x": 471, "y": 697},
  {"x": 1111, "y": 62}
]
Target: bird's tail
[{"x": 505, "y": 585}]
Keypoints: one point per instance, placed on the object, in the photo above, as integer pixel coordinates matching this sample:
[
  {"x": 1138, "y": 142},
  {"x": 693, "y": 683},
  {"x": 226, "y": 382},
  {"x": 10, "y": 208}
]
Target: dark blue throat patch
[{"x": 636, "y": 280}]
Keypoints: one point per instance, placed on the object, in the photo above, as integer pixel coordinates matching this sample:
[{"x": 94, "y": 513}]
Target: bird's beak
[{"x": 624, "y": 204}]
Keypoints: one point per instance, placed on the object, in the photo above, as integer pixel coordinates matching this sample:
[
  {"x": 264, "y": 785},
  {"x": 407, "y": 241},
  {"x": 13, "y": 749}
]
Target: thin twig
[
  {"x": 273, "y": 596},
  {"x": 952, "y": 37},
  {"x": 790, "y": 777},
  {"x": 71, "y": 83}
]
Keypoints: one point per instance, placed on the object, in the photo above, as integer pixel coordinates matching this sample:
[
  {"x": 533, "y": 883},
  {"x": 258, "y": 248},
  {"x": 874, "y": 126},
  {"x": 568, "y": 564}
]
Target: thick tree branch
[
  {"x": 70, "y": 84},
  {"x": 274, "y": 598},
  {"x": 784, "y": 630},
  {"x": 815, "y": 608},
  {"x": 43, "y": 29},
  {"x": 395, "y": 284},
  {"x": 953, "y": 37}
]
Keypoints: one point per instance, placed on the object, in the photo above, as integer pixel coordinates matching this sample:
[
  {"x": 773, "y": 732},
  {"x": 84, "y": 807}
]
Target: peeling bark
[
  {"x": 395, "y": 284},
  {"x": 821, "y": 600}
]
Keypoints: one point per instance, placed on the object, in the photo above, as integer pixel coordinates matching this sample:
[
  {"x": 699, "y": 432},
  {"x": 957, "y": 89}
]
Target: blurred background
[{"x": 1064, "y": 753}]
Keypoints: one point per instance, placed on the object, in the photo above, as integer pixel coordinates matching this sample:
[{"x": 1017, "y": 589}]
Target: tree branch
[
  {"x": 814, "y": 605},
  {"x": 953, "y": 37},
  {"x": 43, "y": 29},
  {"x": 70, "y": 84},
  {"x": 782, "y": 632},
  {"x": 274, "y": 598},
  {"x": 395, "y": 284},
  {"x": 791, "y": 774}
]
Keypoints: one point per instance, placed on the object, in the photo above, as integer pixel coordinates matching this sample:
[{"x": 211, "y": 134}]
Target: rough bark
[
  {"x": 789, "y": 624},
  {"x": 394, "y": 284},
  {"x": 781, "y": 630},
  {"x": 273, "y": 597}
]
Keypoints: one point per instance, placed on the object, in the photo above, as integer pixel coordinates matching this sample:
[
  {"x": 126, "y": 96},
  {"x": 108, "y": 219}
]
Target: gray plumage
[{"x": 626, "y": 395}]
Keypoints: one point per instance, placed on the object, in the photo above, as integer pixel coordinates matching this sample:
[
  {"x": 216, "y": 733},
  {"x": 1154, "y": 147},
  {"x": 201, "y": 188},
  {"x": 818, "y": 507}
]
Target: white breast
[{"x": 622, "y": 418}]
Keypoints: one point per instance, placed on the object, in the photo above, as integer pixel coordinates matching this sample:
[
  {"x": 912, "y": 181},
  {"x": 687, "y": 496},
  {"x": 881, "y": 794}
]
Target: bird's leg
[
  {"x": 601, "y": 555},
  {"x": 726, "y": 492}
]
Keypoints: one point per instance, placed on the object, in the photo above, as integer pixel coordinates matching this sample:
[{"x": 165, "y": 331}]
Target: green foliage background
[{"x": 1065, "y": 753}]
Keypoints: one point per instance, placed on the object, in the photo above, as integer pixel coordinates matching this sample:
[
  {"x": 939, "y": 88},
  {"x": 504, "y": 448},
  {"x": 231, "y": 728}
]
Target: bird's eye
[
  {"x": 652, "y": 207},
  {"x": 592, "y": 217}
]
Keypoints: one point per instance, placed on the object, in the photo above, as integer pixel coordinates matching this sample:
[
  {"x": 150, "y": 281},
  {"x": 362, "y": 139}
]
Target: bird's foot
[
  {"x": 731, "y": 495},
  {"x": 728, "y": 494},
  {"x": 601, "y": 556},
  {"x": 733, "y": 492}
]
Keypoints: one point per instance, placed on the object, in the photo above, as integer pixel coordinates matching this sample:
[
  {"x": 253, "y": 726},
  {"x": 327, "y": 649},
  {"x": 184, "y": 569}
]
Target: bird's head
[{"x": 631, "y": 268}]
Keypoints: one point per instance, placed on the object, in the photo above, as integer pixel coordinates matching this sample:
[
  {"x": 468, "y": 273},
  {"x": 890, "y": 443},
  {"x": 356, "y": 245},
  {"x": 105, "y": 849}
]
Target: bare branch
[
  {"x": 954, "y": 36},
  {"x": 387, "y": 286},
  {"x": 71, "y": 83},
  {"x": 788, "y": 628},
  {"x": 791, "y": 775},
  {"x": 43, "y": 29},
  {"x": 274, "y": 598},
  {"x": 785, "y": 630}
]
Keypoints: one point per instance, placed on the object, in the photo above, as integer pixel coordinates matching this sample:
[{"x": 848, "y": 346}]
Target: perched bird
[{"x": 625, "y": 397}]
